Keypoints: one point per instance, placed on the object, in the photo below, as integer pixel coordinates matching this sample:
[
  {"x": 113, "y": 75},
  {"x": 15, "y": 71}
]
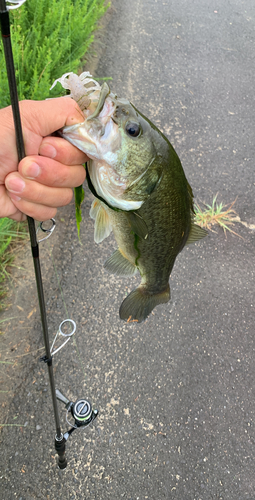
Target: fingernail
[
  {"x": 14, "y": 197},
  {"x": 15, "y": 185},
  {"x": 31, "y": 170},
  {"x": 47, "y": 150}
]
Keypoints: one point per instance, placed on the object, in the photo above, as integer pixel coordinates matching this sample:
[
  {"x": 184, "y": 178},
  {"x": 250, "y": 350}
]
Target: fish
[{"x": 141, "y": 194}]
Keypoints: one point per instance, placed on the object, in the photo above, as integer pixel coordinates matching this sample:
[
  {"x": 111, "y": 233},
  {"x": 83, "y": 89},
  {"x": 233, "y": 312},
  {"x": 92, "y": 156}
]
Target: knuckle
[
  {"x": 70, "y": 195},
  {"x": 48, "y": 213},
  {"x": 67, "y": 197}
]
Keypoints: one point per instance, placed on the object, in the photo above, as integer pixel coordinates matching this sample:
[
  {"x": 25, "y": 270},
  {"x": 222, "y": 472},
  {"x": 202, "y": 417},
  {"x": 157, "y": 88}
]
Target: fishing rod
[{"x": 81, "y": 410}]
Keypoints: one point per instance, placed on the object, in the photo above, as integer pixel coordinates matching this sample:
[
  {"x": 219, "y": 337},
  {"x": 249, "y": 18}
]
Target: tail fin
[{"x": 139, "y": 303}]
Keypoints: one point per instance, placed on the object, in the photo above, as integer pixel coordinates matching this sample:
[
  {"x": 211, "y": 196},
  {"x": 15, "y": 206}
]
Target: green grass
[
  {"x": 216, "y": 214},
  {"x": 49, "y": 38},
  {"x": 10, "y": 232}
]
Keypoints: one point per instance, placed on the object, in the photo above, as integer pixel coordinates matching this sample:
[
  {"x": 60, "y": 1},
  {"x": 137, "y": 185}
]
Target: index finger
[{"x": 62, "y": 151}]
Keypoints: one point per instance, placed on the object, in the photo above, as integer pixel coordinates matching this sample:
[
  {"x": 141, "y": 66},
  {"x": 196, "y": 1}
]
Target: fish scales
[
  {"x": 168, "y": 228},
  {"x": 142, "y": 194}
]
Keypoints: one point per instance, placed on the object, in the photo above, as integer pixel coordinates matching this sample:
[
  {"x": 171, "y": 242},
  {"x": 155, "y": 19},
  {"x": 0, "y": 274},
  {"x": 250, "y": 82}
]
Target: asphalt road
[{"x": 175, "y": 394}]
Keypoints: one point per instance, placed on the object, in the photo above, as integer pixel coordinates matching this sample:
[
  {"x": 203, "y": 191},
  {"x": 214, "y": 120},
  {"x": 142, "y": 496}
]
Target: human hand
[{"x": 44, "y": 179}]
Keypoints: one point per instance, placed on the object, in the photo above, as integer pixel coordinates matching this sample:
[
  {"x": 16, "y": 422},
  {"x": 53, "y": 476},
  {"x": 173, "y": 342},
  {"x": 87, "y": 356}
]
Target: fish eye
[{"x": 133, "y": 129}]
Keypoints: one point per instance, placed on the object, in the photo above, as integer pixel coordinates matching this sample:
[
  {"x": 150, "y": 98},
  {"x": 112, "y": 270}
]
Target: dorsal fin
[{"x": 196, "y": 233}]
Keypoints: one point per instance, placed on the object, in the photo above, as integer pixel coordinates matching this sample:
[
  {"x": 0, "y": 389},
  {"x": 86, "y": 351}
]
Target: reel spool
[{"x": 82, "y": 412}]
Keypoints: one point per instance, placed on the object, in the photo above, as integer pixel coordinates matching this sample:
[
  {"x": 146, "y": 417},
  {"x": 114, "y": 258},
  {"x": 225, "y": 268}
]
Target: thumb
[{"x": 45, "y": 117}]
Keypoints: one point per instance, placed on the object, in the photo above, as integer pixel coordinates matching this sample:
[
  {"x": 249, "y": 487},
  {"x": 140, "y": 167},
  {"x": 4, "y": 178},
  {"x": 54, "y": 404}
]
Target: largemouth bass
[{"x": 141, "y": 193}]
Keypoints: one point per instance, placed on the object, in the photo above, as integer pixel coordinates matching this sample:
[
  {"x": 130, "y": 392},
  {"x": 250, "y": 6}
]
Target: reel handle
[{"x": 62, "y": 398}]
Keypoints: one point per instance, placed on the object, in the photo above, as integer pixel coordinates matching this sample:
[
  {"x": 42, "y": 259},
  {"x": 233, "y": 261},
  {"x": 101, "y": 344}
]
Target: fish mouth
[
  {"x": 98, "y": 136},
  {"x": 98, "y": 131}
]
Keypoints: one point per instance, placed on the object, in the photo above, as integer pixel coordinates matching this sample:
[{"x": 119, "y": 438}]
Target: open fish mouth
[
  {"x": 100, "y": 138},
  {"x": 96, "y": 131}
]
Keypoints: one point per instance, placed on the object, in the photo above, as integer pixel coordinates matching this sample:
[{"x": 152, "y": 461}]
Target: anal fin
[{"x": 118, "y": 264}]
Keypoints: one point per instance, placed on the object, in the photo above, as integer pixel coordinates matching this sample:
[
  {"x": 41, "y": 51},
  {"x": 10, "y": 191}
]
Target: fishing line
[{"x": 80, "y": 410}]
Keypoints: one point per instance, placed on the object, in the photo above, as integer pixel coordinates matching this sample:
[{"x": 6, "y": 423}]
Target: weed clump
[
  {"x": 216, "y": 215},
  {"x": 10, "y": 231}
]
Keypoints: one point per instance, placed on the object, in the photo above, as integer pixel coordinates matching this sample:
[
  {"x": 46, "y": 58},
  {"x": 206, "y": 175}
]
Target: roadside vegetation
[
  {"x": 216, "y": 214},
  {"x": 11, "y": 232},
  {"x": 49, "y": 38}
]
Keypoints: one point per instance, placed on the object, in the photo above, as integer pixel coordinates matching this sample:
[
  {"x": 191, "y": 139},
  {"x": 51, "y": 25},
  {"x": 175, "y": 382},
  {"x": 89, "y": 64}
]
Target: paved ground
[{"x": 176, "y": 393}]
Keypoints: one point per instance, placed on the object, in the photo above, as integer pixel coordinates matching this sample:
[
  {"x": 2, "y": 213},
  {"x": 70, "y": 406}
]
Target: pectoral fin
[
  {"x": 118, "y": 264},
  {"x": 196, "y": 233},
  {"x": 138, "y": 225},
  {"x": 103, "y": 225}
]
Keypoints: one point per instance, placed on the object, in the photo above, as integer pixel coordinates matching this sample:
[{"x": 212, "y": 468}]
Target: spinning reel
[
  {"x": 81, "y": 411},
  {"x": 83, "y": 415}
]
